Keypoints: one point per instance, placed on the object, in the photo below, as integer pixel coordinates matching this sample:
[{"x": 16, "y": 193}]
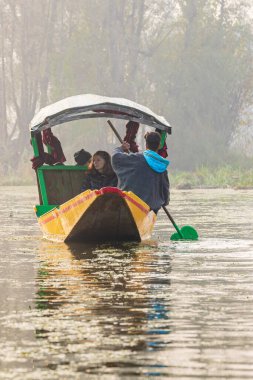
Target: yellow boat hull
[{"x": 108, "y": 214}]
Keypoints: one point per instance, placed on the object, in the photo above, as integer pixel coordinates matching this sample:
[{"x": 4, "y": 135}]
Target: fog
[{"x": 190, "y": 61}]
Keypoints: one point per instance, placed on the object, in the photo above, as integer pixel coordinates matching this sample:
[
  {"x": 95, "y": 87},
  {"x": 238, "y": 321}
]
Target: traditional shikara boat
[{"x": 107, "y": 214}]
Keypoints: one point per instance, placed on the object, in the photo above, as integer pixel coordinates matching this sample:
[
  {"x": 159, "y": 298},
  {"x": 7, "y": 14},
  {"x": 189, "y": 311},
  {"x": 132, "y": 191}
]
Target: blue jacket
[{"x": 145, "y": 174}]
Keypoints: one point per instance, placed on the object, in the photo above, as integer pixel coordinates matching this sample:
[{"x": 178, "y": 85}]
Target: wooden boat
[{"x": 107, "y": 214}]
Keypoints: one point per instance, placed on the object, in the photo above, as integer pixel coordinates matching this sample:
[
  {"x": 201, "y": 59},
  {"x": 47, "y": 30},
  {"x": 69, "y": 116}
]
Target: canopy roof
[{"x": 89, "y": 106}]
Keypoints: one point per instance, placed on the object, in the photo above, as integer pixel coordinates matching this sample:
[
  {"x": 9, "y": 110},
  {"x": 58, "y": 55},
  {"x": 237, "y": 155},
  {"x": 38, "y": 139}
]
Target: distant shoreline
[
  {"x": 182, "y": 187},
  {"x": 222, "y": 177},
  {"x": 211, "y": 187}
]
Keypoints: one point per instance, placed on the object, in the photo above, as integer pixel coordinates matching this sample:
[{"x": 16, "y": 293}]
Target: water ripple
[{"x": 178, "y": 310}]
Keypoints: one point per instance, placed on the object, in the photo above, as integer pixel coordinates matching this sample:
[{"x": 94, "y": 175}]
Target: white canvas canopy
[{"x": 93, "y": 106}]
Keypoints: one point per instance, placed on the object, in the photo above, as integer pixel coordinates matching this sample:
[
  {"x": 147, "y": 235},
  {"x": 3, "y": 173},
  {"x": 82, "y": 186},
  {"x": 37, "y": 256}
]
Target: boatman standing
[{"x": 145, "y": 174}]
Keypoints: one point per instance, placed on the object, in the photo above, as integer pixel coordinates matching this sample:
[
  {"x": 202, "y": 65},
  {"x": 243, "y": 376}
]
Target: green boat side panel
[
  {"x": 43, "y": 189},
  {"x": 163, "y": 138},
  {"x": 63, "y": 167},
  {"x": 43, "y": 209},
  {"x": 35, "y": 146},
  {"x": 60, "y": 183}
]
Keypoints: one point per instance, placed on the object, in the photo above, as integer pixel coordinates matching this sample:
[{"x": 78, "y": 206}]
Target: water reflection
[
  {"x": 175, "y": 310},
  {"x": 106, "y": 291}
]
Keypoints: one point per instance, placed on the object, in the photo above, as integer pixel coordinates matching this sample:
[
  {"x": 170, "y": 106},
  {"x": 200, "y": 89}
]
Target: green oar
[{"x": 185, "y": 233}]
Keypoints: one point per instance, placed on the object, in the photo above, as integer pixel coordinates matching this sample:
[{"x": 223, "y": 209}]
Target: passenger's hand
[{"x": 125, "y": 146}]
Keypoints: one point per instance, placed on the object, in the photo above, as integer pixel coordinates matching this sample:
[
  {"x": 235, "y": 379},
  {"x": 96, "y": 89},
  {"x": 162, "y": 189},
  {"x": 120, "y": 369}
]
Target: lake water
[{"x": 177, "y": 310}]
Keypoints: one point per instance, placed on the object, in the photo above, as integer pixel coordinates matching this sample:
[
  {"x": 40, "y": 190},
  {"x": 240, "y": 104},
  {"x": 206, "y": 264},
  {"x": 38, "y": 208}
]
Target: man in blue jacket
[{"x": 145, "y": 174}]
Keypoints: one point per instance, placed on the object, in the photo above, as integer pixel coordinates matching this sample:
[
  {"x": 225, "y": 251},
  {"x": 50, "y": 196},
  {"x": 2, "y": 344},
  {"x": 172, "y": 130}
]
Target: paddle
[{"x": 186, "y": 232}]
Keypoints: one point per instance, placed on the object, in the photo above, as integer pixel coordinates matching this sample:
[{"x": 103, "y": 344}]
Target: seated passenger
[
  {"x": 100, "y": 173},
  {"x": 82, "y": 157}
]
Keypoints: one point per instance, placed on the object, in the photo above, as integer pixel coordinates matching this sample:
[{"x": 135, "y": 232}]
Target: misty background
[{"x": 187, "y": 60}]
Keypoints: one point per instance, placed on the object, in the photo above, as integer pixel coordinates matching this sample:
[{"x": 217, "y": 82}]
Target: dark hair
[
  {"x": 153, "y": 140},
  {"x": 107, "y": 170},
  {"x": 82, "y": 156}
]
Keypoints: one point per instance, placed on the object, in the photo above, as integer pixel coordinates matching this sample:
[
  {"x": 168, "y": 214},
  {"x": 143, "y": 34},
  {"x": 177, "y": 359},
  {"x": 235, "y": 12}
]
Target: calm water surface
[{"x": 177, "y": 310}]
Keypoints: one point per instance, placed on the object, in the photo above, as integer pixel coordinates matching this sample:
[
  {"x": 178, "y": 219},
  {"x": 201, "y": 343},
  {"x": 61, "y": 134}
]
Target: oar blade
[{"x": 188, "y": 233}]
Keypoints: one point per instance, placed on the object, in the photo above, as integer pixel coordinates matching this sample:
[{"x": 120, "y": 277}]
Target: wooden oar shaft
[
  {"x": 172, "y": 221},
  {"x": 115, "y": 131}
]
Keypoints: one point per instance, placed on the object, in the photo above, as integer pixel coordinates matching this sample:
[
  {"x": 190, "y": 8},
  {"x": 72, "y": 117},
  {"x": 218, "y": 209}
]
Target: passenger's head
[
  {"x": 101, "y": 162},
  {"x": 153, "y": 140},
  {"x": 82, "y": 157}
]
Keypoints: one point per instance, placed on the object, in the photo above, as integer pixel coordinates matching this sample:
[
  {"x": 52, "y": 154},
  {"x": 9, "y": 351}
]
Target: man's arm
[{"x": 120, "y": 157}]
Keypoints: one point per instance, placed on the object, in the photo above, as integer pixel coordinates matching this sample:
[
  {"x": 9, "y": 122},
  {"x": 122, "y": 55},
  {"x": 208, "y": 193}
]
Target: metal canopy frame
[{"x": 103, "y": 110}]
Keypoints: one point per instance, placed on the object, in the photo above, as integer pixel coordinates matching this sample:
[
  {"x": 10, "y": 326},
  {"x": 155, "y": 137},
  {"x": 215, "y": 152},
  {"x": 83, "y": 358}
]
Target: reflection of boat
[
  {"x": 97, "y": 294},
  {"x": 106, "y": 214}
]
